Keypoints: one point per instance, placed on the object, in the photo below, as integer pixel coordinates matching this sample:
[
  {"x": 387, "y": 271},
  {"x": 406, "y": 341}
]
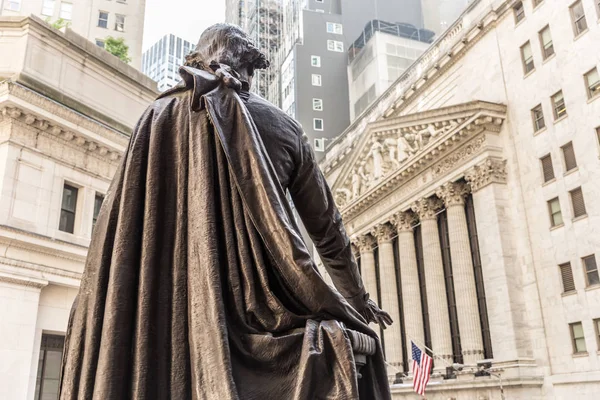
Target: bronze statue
[{"x": 197, "y": 283}]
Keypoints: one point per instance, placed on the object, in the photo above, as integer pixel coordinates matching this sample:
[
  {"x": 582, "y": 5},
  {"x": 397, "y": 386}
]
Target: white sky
[{"x": 183, "y": 18}]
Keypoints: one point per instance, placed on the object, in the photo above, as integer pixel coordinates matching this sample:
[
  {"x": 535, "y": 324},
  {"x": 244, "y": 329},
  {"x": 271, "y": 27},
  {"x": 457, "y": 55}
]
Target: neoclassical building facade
[
  {"x": 66, "y": 111},
  {"x": 470, "y": 192}
]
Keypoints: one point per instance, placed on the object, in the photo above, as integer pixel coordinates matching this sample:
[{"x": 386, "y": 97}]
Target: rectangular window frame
[
  {"x": 593, "y": 88},
  {"x": 547, "y": 48},
  {"x": 569, "y": 158},
  {"x": 537, "y": 3},
  {"x": 547, "y": 168},
  {"x": 315, "y": 120},
  {"x": 48, "y": 7},
  {"x": 119, "y": 22},
  {"x": 519, "y": 11},
  {"x": 66, "y": 14},
  {"x": 67, "y": 228},
  {"x": 315, "y": 61},
  {"x": 567, "y": 269},
  {"x": 49, "y": 343},
  {"x": 335, "y": 46},
  {"x": 579, "y": 23},
  {"x": 528, "y": 62},
  {"x": 596, "y": 322},
  {"x": 316, "y": 80},
  {"x": 100, "y": 43},
  {"x": 13, "y": 5},
  {"x": 335, "y": 28},
  {"x": 578, "y": 192},
  {"x": 553, "y": 222},
  {"x": 586, "y": 272},
  {"x": 574, "y": 339},
  {"x": 537, "y": 116},
  {"x": 317, "y": 104},
  {"x": 559, "y": 109},
  {"x": 103, "y": 23}
]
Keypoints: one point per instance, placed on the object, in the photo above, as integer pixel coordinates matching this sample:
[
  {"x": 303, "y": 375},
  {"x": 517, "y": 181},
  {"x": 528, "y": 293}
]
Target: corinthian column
[
  {"x": 467, "y": 309},
  {"x": 389, "y": 293},
  {"x": 409, "y": 280},
  {"x": 437, "y": 302},
  {"x": 366, "y": 245}
]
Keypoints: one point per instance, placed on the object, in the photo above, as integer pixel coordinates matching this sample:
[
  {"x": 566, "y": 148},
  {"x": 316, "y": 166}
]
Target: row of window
[
  {"x": 590, "y": 270},
  {"x": 103, "y": 21},
  {"x": 577, "y": 206},
  {"x": 578, "y": 19},
  {"x": 68, "y": 209},
  {"x": 569, "y": 161},
  {"x": 559, "y": 107},
  {"x": 578, "y": 337},
  {"x": 66, "y": 9}
]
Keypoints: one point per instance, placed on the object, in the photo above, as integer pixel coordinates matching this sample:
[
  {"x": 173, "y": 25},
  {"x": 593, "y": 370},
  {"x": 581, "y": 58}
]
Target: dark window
[
  {"x": 566, "y": 273},
  {"x": 538, "y": 118},
  {"x": 449, "y": 280},
  {"x": 577, "y": 338},
  {"x": 537, "y": 2},
  {"x": 546, "y": 42},
  {"x": 100, "y": 43},
  {"x": 578, "y": 18},
  {"x": 591, "y": 270},
  {"x": 97, "y": 205},
  {"x": 547, "y": 168},
  {"x": 422, "y": 284},
  {"x": 578, "y": 203},
  {"x": 49, "y": 364},
  {"x": 592, "y": 83},
  {"x": 519, "y": 12},
  {"x": 476, "y": 257},
  {"x": 569, "y": 156},
  {"x": 120, "y": 23},
  {"x": 68, "y": 209}
]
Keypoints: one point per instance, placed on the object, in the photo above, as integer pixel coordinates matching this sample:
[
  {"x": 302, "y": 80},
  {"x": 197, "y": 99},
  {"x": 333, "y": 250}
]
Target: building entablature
[
  {"x": 22, "y": 105},
  {"x": 399, "y": 158}
]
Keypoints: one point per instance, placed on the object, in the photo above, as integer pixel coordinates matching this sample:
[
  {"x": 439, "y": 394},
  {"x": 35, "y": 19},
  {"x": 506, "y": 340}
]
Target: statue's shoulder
[{"x": 262, "y": 109}]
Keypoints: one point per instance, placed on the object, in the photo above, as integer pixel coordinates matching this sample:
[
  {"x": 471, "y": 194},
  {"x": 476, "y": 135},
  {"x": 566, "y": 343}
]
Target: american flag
[{"x": 421, "y": 369}]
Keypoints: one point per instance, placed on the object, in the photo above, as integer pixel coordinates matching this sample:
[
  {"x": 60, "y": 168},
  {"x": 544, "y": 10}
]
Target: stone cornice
[
  {"x": 22, "y": 281},
  {"x": 43, "y": 269},
  {"x": 437, "y": 59},
  {"x": 111, "y": 154},
  {"x": 442, "y": 131}
]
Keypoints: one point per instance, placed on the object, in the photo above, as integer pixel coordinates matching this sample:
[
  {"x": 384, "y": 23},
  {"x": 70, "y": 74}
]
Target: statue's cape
[{"x": 197, "y": 284}]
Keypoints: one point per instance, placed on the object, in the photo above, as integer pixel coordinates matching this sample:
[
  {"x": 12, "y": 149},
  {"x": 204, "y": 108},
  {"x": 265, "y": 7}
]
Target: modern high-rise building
[
  {"x": 161, "y": 62},
  {"x": 314, "y": 70},
  {"x": 93, "y": 19}
]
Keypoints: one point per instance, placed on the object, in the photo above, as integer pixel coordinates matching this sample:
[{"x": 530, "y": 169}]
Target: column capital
[
  {"x": 453, "y": 193},
  {"x": 404, "y": 221},
  {"x": 427, "y": 208},
  {"x": 365, "y": 243},
  {"x": 384, "y": 232},
  {"x": 490, "y": 171}
]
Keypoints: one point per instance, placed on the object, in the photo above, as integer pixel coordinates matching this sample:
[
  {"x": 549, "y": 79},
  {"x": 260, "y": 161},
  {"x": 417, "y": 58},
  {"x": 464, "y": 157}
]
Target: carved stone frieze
[
  {"x": 427, "y": 208},
  {"x": 97, "y": 149},
  {"x": 453, "y": 193},
  {"x": 404, "y": 221},
  {"x": 490, "y": 171},
  {"x": 453, "y": 159},
  {"x": 384, "y": 232},
  {"x": 365, "y": 243}
]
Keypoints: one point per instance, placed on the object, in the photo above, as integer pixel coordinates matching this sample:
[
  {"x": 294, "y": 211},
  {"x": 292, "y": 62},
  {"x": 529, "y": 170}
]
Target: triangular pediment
[{"x": 399, "y": 145}]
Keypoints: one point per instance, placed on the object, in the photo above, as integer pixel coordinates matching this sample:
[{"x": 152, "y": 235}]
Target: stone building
[
  {"x": 67, "y": 109},
  {"x": 93, "y": 19},
  {"x": 470, "y": 189}
]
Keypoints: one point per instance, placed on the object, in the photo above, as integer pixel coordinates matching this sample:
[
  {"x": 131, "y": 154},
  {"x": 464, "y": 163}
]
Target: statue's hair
[{"x": 226, "y": 44}]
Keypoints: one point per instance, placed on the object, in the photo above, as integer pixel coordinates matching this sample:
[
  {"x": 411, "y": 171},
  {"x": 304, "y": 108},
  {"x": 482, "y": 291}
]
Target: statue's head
[{"x": 227, "y": 44}]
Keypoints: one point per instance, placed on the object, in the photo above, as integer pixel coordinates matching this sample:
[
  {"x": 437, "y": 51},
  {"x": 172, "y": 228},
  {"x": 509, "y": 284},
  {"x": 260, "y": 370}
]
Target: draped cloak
[{"x": 197, "y": 283}]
